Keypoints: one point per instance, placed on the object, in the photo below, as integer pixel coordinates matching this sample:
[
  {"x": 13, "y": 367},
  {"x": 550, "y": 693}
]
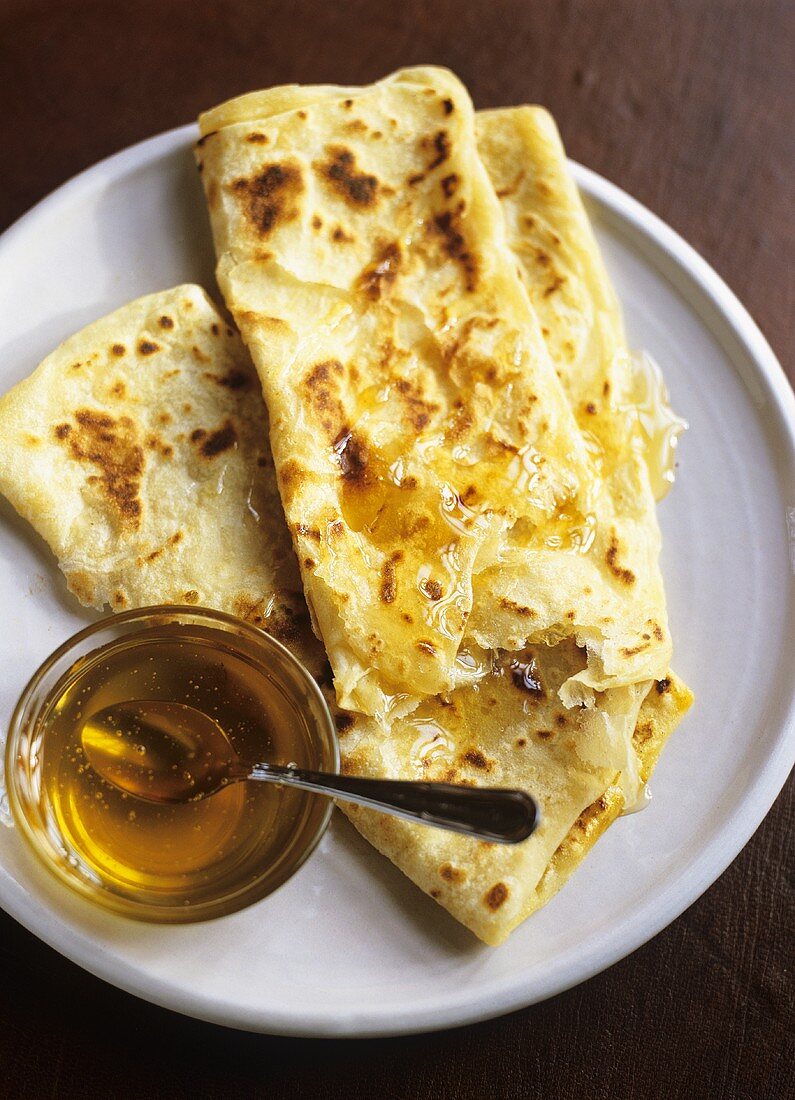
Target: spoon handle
[{"x": 498, "y": 814}]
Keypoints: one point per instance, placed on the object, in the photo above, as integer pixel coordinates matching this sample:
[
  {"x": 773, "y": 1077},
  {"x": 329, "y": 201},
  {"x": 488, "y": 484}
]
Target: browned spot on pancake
[
  {"x": 112, "y": 446},
  {"x": 215, "y": 442},
  {"x": 172, "y": 540},
  {"x": 355, "y": 126},
  {"x": 452, "y": 874},
  {"x": 428, "y": 648},
  {"x": 663, "y": 686},
  {"x": 440, "y": 144},
  {"x": 347, "y": 104},
  {"x": 317, "y": 221},
  {"x": 199, "y": 355},
  {"x": 191, "y": 596},
  {"x": 544, "y": 735},
  {"x": 406, "y": 617},
  {"x": 606, "y": 389},
  {"x": 257, "y": 138},
  {"x": 320, "y": 387},
  {"x": 291, "y": 475},
  {"x": 165, "y": 321},
  {"x": 270, "y": 197},
  {"x": 633, "y": 651},
  {"x": 556, "y": 284},
  {"x": 164, "y": 418},
  {"x": 118, "y": 389},
  {"x": 415, "y": 178},
  {"x": 450, "y": 185},
  {"x": 119, "y": 598},
  {"x": 644, "y": 731},
  {"x": 309, "y": 563},
  {"x": 447, "y": 106},
  {"x": 447, "y": 226},
  {"x": 350, "y": 183},
  {"x": 590, "y": 408},
  {"x": 234, "y": 379},
  {"x": 516, "y": 609},
  {"x": 417, "y": 408},
  {"x": 561, "y": 720},
  {"x": 147, "y": 347},
  {"x": 526, "y": 677},
  {"x": 388, "y": 589},
  {"x": 431, "y": 588},
  {"x": 658, "y": 634},
  {"x": 215, "y": 329},
  {"x": 307, "y": 532},
  {"x": 496, "y": 896},
  {"x": 476, "y": 759},
  {"x": 336, "y": 528},
  {"x": 611, "y": 557},
  {"x": 118, "y": 349},
  {"x": 571, "y": 616},
  {"x": 376, "y": 279},
  {"x": 340, "y": 236},
  {"x": 520, "y": 742},
  {"x": 353, "y": 455},
  {"x": 32, "y": 440},
  {"x": 435, "y": 894}
]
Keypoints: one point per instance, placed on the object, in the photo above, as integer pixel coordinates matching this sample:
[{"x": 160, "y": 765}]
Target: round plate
[{"x": 349, "y": 946}]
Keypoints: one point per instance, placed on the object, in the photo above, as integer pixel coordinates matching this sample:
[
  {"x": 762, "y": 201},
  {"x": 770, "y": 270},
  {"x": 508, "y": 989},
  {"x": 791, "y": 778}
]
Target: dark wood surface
[{"x": 689, "y": 106}]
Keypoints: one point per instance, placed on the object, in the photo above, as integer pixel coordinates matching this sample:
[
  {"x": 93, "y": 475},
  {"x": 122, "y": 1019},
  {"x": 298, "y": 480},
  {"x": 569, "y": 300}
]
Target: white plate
[{"x": 350, "y": 947}]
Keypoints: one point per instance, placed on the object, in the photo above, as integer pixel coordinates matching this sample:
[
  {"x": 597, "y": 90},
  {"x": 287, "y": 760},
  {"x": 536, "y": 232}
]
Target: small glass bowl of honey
[{"x": 181, "y": 862}]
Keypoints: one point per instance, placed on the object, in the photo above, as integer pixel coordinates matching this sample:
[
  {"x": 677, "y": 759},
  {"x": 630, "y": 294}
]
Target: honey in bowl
[{"x": 170, "y": 861}]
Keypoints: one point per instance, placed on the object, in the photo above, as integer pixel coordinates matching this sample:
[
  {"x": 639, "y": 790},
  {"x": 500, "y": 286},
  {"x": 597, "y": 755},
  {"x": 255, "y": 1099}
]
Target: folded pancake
[
  {"x": 584, "y": 765},
  {"x": 549, "y": 232},
  {"x": 138, "y": 450},
  {"x": 421, "y": 436}
]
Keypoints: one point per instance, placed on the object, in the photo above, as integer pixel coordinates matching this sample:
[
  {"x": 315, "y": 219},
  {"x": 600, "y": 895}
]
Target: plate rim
[{"x": 649, "y": 918}]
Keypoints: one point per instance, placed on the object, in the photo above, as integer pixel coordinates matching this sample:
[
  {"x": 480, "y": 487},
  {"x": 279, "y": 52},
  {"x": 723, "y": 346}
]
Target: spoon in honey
[{"x": 171, "y": 752}]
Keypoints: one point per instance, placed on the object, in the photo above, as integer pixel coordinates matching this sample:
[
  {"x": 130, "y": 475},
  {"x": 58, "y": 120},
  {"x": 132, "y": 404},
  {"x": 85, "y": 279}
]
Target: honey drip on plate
[{"x": 659, "y": 425}]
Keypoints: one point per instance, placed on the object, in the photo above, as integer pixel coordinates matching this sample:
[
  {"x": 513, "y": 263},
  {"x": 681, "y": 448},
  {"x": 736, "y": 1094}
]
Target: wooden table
[{"x": 689, "y": 106}]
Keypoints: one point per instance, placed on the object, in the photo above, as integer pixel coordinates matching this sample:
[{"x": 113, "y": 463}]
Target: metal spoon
[{"x": 170, "y": 752}]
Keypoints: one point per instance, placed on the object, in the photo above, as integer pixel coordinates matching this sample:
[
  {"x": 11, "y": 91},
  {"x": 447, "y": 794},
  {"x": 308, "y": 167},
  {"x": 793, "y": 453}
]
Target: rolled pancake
[
  {"x": 420, "y": 433},
  {"x": 139, "y": 451}
]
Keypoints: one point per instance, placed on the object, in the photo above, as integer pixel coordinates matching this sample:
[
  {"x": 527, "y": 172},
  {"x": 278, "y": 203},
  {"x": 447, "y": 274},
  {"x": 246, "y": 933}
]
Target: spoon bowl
[{"x": 160, "y": 751}]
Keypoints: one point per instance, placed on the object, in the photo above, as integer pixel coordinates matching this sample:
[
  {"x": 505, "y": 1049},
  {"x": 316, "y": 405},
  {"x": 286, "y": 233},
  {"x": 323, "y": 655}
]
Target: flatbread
[
  {"x": 488, "y": 732},
  {"x": 561, "y": 267},
  {"x": 421, "y": 436},
  {"x": 138, "y": 450}
]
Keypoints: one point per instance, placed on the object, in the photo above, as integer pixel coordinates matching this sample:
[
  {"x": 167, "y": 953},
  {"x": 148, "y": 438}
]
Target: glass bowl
[{"x": 196, "y": 860}]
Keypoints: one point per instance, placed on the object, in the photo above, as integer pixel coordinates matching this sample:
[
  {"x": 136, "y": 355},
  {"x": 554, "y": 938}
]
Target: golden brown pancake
[{"x": 428, "y": 460}]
